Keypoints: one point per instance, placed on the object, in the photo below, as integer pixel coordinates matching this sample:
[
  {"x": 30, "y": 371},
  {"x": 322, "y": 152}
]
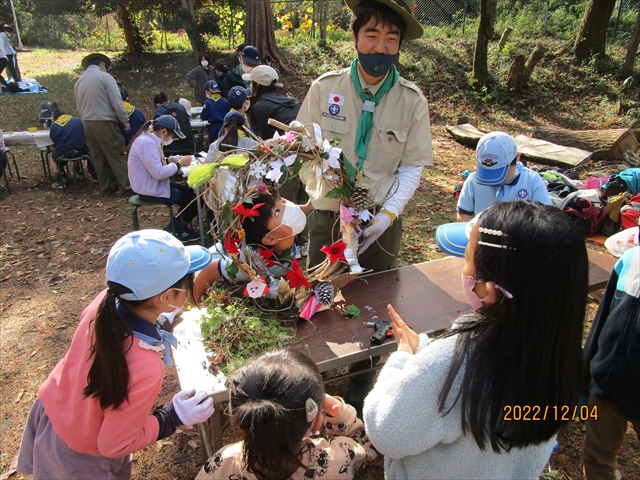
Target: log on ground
[
  {"x": 546, "y": 153},
  {"x": 609, "y": 144},
  {"x": 466, "y": 134}
]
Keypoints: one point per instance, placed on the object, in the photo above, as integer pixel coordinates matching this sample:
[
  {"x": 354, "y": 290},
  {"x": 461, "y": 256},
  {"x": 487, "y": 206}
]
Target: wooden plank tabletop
[{"x": 428, "y": 296}]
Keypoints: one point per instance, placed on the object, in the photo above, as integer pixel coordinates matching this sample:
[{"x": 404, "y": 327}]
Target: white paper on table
[
  {"x": 191, "y": 358},
  {"x": 42, "y": 138}
]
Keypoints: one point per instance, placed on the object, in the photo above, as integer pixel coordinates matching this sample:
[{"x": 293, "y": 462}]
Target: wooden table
[{"x": 428, "y": 296}]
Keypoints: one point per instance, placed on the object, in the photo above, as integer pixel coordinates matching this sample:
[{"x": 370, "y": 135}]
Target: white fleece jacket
[{"x": 402, "y": 420}]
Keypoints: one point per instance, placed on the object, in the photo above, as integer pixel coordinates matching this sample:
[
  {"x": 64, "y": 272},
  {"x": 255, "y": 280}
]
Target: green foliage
[
  {"x": 351, "y": 311},
  {"x": 238, "y": 330}
]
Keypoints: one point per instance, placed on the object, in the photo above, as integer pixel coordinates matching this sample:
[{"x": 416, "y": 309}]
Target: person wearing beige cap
[{"x": 383, "y": 123}]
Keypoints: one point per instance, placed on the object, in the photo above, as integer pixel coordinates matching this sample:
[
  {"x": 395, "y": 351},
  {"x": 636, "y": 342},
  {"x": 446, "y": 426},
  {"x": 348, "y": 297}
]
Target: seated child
[
  {"x": 239, "y": 102},
  {"x": 214, "y": 110},
  {"x": 278, "y": 403},
  {"x": 500, "y": 177},
  {"x": 136, "y": 117},
  {"x": 177, "y": 111},
  {"x": 232, "y": 136},
  {"x": 46, "y": 114},
  {"x": 150, "y": 175},
  {"x": 67, "y": 135},
  {"x": 274, "y": 229}
]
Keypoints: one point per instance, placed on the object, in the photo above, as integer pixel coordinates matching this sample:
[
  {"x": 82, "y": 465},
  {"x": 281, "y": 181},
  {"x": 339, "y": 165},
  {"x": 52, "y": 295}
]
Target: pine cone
[
  {"x": 324, "y": 293},
  {"x": 360, "y": 198}
]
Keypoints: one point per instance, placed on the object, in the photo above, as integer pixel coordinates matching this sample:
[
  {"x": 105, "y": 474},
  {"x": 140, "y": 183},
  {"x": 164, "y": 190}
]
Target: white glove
[
  {"x": 189, "y": 409},
  {"x": 377, "y": 227}
]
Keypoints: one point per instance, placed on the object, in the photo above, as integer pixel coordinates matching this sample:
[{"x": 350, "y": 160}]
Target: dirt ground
[{"x": 53, "y": 249}]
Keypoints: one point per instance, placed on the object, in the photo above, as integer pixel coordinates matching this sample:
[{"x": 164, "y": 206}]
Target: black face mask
[{"x": 376, "y": 64}]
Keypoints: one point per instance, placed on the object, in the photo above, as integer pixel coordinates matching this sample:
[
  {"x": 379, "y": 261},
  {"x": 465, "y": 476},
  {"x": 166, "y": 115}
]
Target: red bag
[
  {"x": 585, "y": 215},
  {"x": 630, "y": 216}
]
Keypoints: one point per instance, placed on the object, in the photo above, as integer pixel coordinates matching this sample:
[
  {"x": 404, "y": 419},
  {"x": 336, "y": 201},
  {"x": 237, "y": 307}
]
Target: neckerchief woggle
[
  {"x": 167, "y": 340},
  {"x": 370, "y": 101}
]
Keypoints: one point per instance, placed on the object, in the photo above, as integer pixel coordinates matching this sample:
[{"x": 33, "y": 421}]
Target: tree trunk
[
  {"x": 603, "y": 143},
  {"x": 188, "y": 15},
  {"x": 504, "y": 37},
  {"x": 516, "y": 73},
  {"x": 480, "y": 73},
  {"x": 127, "y": 29},
  {"x": 520, "y": 73},
  {"x": 592, "y": 34},
  {"x": 324, "y": 14},
  {"x": 632, "y": 48},
  {"x": 259, "y": 30}
]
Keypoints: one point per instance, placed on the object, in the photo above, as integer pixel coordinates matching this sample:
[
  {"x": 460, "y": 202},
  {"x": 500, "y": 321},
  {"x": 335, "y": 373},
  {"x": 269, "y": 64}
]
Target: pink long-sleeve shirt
[
  {"x": 80, "y": 421},
  {"x": 148, "y": 174}
]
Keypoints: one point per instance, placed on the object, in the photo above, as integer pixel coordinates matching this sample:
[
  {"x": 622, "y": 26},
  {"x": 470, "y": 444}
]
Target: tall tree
[
  {"x": 188, "y": 14},
  {"x": 632, "y": 49},
  {"x": 259, "y": 30},
  {"x": 480, "y": 73},
  {"x": 592, "y": 34}
]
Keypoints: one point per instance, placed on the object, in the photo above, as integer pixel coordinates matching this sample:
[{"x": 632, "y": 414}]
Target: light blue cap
[
  {"x": 452, "y": 238},
  {"x": 148, "y": 262},
  {"x": 494, "y": 154}
]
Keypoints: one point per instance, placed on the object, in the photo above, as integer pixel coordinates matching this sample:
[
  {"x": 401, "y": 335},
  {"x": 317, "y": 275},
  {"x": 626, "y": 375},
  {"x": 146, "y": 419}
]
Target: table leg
[
  {"x": 205, "y": 443},
  {"x": 200, "y": 223}
]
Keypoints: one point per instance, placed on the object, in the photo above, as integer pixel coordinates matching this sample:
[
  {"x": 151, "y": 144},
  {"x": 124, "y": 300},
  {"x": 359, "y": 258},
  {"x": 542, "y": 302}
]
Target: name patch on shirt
[{"x": 336, "y": 117}]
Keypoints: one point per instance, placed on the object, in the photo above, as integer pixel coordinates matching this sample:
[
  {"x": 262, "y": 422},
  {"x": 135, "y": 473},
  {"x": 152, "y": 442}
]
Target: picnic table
[{"x": 428, "y": 296}]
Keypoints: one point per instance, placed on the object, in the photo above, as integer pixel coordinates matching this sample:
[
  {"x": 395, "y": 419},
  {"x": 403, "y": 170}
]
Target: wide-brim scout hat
[
  {"x": 405, "y": 9},
  {"x": 91, "y": 56}
]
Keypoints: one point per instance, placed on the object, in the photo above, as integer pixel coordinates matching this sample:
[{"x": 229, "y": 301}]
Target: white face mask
[
  {"x": 294, "y": 218},
  {"x": 208, "y": 95},
  {"x": 204, "y": 64},
  {"x": 164, "y": 142},
  {"x": 247, "y": 104},
  {"x": 246, "y": 68}
]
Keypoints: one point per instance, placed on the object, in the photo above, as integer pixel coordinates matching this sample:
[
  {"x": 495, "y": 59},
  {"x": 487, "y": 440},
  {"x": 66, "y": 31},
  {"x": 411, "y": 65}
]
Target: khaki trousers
[
  {"x": 604, "y": 440},
  {"x": 106, "y": 145},
  {"x": 382, "y": 255}
]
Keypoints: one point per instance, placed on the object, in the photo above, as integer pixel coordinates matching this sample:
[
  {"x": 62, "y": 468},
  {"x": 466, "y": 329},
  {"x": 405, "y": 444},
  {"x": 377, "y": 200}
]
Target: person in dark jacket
[
  {"x": 220, "y": 69},
  {"x": 136, "y": 117},
  {"x": 249, "y": 59},
  {"x": 165, "y": 107},
  {"x": 199, "y": 76},
  {"x": 215, "y": 108},
  {"x": 269, "y": 101},
  {"x": 69, "y": 140},
  {"x": 612, "y": 355}
]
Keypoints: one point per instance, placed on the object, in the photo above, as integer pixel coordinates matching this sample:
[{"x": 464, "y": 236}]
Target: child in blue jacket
[{"x": 215, "y": 108}]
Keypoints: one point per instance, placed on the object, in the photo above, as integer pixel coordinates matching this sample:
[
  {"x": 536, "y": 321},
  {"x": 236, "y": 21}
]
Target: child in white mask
[{"x": 273, "y": 230}]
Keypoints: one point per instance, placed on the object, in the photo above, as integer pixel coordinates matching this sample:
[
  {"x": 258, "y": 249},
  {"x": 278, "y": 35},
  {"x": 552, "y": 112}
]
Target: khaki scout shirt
[{"x": 400, "y": 137}]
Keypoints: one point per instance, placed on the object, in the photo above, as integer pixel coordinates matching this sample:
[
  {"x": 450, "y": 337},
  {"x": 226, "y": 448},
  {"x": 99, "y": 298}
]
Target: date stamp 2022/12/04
[{"x": 550, "y": 412}]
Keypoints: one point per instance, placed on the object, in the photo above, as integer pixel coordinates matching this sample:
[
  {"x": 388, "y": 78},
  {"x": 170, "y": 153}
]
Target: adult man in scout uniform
[
  {"x": 383, "y": 123},
  {"x": 100, "y": 106}
]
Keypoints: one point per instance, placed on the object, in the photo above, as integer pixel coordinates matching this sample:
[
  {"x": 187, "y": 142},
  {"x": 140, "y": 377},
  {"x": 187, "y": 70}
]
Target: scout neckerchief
[
  {"x": 63, "y": 120},
  {"x": 215, "y": 97},
  {"x": 128, "y": 108},
  {"x": 167, "y": 339},
  {"x": 370, "y": 101}
]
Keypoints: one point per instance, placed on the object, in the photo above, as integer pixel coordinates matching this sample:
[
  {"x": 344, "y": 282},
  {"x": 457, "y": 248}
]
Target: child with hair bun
[{"x": 278, "y": 402}]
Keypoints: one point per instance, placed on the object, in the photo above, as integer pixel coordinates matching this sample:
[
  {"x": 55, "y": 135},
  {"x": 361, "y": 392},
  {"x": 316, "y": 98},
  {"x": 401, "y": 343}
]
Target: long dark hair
[
  {"x": 268, "y": 397},
  {"x": 525, "y": 350},
  {"x": 143, "y": 129},
  {"x": 108, "y": 377}
]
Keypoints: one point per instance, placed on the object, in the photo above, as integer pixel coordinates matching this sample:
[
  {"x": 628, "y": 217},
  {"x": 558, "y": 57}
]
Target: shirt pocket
[
  {"x": 386, "y": 147},
  {"x": 339, "y": 127}
]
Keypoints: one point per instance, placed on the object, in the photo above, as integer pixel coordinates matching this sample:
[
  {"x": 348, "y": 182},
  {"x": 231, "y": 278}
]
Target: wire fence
[{"x": 529, "y": 18}]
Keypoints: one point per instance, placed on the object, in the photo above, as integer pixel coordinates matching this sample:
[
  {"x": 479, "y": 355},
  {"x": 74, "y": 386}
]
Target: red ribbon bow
[{"x": 240, "y": 209}]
